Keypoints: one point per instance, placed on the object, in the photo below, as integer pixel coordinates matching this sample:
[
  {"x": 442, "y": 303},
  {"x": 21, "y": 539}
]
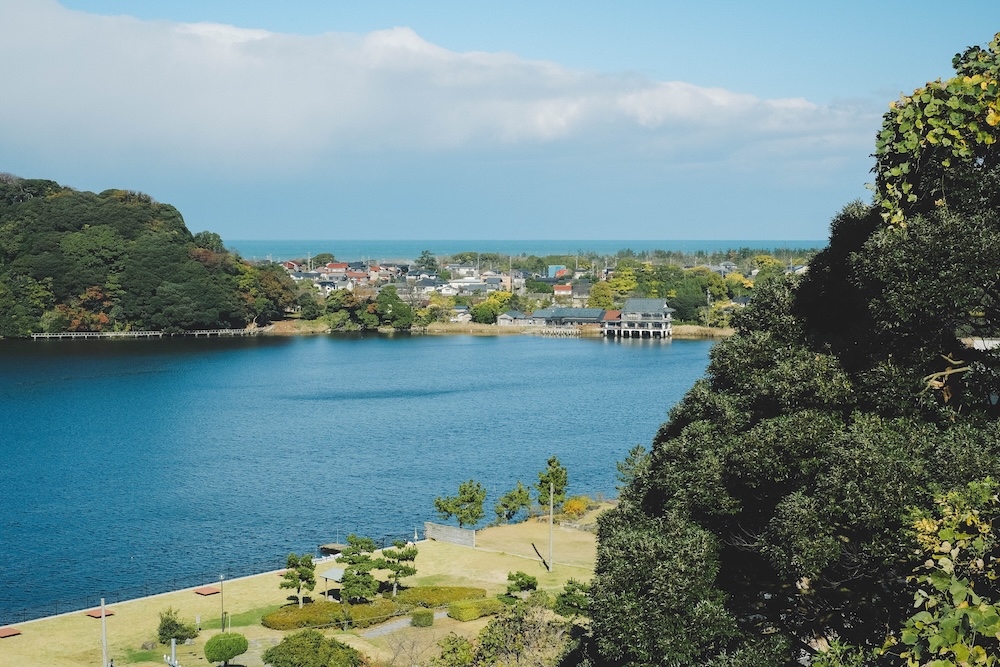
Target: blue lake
[{"x": 132, "y": 467}]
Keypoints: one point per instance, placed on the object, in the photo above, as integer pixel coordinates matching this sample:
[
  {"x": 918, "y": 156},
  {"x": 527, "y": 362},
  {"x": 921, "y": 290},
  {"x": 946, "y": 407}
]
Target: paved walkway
[{"x": 398, "y": 624}]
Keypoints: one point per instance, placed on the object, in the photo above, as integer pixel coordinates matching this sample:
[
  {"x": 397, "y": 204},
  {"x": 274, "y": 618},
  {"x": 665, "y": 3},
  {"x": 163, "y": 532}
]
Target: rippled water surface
[{"x": 132, "y": 466}]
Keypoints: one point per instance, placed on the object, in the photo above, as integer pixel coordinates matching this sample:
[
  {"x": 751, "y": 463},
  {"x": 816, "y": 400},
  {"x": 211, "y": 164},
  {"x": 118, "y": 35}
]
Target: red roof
[
  {"x": 612, "y": 315},
  {"x": 562, "y": 288}
]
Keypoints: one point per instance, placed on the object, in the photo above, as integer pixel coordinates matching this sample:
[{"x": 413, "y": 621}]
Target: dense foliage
[
  {"x": 773, "y": 517},
  {"x": 225, "y": 646},
  {"x": 118, "y": 260},
  {"x": 172, "y": 627},
  {"x": 309, "y": 648},
  {"x": 300, "y": 572},
  {"x": 348, "y": 310}
]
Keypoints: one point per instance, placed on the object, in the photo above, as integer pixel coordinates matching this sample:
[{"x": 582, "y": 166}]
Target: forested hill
[{"x": 79, "y": 261}]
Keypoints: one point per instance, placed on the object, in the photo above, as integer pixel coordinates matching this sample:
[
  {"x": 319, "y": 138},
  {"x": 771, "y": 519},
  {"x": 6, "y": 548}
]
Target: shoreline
[
  {"x": 295, "y": 327},
  {"x": 72, "y": 639}
]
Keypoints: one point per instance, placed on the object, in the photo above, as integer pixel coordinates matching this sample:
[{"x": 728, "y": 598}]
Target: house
[
  {"x": 563, "y": 292},
  {"x": 642, "y": 318},
  {"x": 558, "y": 317},
  {"x": 462, "y": 270},
  {"x": 581, "y": 293},
  {"x": 460, "y": 314},
  {"x": 512, "y": 318}
]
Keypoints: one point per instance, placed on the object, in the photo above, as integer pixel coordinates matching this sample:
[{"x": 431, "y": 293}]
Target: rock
[{"x": 148, "y": 646}]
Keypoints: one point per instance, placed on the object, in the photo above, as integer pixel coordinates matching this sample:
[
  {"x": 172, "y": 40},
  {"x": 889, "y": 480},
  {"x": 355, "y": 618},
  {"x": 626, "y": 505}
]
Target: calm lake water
[{"x": 132, "y": 467}]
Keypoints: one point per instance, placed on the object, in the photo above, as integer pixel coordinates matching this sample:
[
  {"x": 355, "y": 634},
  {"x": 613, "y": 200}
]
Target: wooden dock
[{"x": 150, "y": 334}]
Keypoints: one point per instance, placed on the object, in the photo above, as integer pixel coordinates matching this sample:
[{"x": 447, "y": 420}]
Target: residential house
[{"x": 512, "y": 318}]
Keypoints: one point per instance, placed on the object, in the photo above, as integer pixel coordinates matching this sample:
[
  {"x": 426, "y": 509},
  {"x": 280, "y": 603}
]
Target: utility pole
[
  {"x": 551, "y": 505},
  {"x": 104, "y": 638},
  {"x": 222, "y": 598}
]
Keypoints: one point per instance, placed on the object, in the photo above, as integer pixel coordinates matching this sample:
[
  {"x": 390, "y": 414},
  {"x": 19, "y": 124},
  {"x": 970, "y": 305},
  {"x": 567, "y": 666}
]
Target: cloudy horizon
[{"x": 257, "y": 133}]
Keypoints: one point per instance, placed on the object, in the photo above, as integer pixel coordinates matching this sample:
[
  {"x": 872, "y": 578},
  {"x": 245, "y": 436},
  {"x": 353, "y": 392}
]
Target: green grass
[
  {"x": 240, "y": 620},
  {"x": 152, "y": 655}
]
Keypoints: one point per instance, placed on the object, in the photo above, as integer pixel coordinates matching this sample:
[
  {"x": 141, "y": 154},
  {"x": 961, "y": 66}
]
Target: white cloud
[{"x": 211, "y": 96}]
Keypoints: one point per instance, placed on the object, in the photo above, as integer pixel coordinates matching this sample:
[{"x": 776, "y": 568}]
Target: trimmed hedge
[
  {"x": 324, "y": 614},
  {"x": 422, "y": 618},
  {"x": 312, "y": 615},
  {"x": 437, "y": 596},
  {"x": 364, "y": 615},
  {"x": 470, "y": 610}
]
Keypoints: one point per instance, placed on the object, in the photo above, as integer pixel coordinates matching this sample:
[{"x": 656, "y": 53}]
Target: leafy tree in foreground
[
  {"x": 601, "y": 296},
  {"x": 225, "y": 646},
  {"x": 510, "y": 504},
  {"x": 300, "y": 573},
  {"x": 557, "y": 475},
  {"x": 774, "y": 513},
  {"x": 521, "y": 582},
  {"x": 358, "y": 582},
  {"x": 309, "y": 648},
  {"x": 399, "y": 562},
  {"x": 466, "y": 507},
  {"x": 171, "y": 627}
]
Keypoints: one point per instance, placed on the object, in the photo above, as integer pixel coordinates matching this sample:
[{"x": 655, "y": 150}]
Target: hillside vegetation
[
  {"x": 824, "y": 495},
  {"x": 79, "y": 261}
]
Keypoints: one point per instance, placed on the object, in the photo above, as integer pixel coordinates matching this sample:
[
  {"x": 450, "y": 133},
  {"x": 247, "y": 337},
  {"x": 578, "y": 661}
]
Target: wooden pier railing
[{"x": 150, "y": 334}]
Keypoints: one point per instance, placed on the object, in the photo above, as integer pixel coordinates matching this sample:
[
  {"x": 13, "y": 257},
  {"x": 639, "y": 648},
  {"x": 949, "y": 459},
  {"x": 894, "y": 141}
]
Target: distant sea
[{"x": 278, "y": 250}]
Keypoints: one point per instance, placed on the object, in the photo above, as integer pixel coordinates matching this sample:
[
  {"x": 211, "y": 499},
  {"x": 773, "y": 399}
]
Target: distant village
[{"x": 568, "y": 306}]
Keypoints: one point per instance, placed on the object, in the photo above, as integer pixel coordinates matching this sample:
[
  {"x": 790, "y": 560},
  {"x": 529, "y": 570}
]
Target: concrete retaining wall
[{"x": 450, "y": 534}]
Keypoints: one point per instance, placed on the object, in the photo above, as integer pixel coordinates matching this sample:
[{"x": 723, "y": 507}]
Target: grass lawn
[{"x": 74, "y": 640}]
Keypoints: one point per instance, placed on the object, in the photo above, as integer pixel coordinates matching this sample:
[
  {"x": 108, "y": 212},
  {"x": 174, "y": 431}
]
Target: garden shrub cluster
[
  {"x": 470, "y": 610},
  {"x": 314, "y": 615},
  {"x": 422, "y": 618},
  {"x": 438, "y": 596},
  {"x": 323, "y": 614},
  {"x": 364, "y": 615}
]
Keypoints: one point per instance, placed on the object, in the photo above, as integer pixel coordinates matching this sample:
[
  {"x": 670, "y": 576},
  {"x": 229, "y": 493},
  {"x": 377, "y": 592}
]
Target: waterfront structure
[{"x": 642, "y": 318}]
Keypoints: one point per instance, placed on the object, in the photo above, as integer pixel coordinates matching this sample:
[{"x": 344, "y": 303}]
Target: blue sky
[{"x": 312, "y": 119}]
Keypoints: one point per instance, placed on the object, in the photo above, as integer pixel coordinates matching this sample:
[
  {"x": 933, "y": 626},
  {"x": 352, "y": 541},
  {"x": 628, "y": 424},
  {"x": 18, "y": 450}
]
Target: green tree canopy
[
  {"x": 309, "y": 648},
  {"x": 399, "y": 562},
  {"x": 558, "y": 476},
  {"x": 300, "y": 572},
  {"x": 512, "y": 503},
  {"x": 775, "y": 506},
  {"x": 358, "y": 583},
  {"x": 466, "y": 507}
]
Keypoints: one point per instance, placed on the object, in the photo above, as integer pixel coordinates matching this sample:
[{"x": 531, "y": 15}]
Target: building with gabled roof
[{"x": 642, "y": 318}]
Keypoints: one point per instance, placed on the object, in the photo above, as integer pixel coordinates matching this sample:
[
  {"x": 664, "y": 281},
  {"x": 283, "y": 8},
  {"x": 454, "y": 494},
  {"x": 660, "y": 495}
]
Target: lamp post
[{"x": 222, "y": 598}]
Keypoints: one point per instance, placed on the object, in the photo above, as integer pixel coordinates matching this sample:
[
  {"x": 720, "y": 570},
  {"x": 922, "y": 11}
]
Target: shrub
[
  {"x": 573, "y": 600},
  {"x": 313, "y": 615},
  {"x": 324, "y": 614},
  {"x": 225, "y": 646},
  {"x": 576, "y": 506},
  {"x": 520, "y": 582},
  {"x": 422, "y": 618},
  {"x": 438, "y": 596},
  {"x": 172, "y": 627},
  {"x": 470, "y": 610},
  {"x": 363, "y": 615},
  {"x": 310, "y": 647}
]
